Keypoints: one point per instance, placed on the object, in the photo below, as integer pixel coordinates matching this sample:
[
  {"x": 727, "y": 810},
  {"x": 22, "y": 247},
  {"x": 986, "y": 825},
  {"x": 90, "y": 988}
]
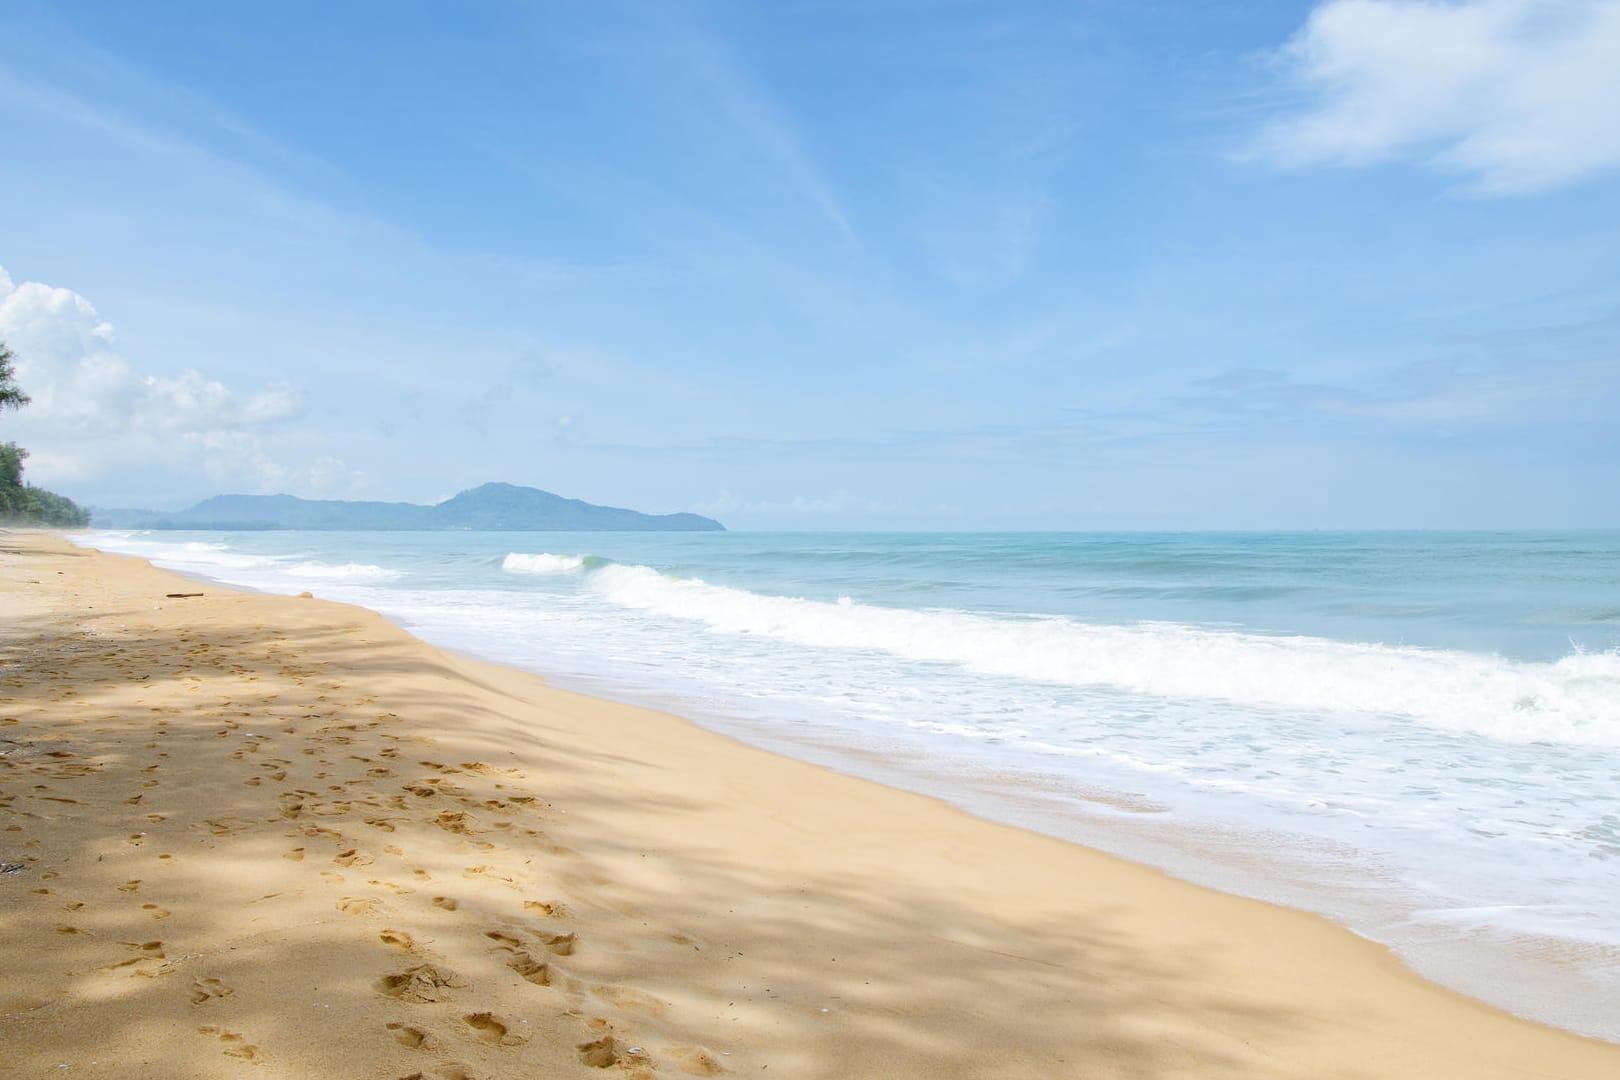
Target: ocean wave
[
  {"x": 1573, "y": 700},
  {"x": 518, "y": 562}
]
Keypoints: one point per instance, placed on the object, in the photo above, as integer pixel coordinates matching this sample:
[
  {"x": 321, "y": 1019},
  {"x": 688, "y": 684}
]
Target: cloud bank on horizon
[
  {"x": 93, "y": 414},
  {"x": 1346, "y": 264}
]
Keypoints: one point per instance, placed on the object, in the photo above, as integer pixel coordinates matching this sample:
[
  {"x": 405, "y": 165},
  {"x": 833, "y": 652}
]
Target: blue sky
[{"x": 904, "y": 264}]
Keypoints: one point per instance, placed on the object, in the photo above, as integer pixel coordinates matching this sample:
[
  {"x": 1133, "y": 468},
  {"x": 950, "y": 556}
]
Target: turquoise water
[{"x": 1417, "y": 734}]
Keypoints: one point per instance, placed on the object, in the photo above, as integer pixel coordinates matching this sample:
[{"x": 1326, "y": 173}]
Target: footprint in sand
[
  {"x": 235, "y": 1045},
  {"x": 445, "y": 902},
  {"x": 361, "y": 905},
  {"x": 549, "y": 909},
  {"x": 413, "y": 1037},
  {"x": 492, "y": 1029},
  {"x": 397, "y": 938},
  {"x": 449, "y": 1070},
  {"x": 604, "y": 1053},
  {"x": 352, "y": 857},
  {"x": 421, "y": 984},
  {"x": 144, "y": 951},
  {"x": 454, "y": 821},
  {"x": 206, "y": 990},
  {"x": 535, "y": 971},
  {"x": 503, "y": 939}
]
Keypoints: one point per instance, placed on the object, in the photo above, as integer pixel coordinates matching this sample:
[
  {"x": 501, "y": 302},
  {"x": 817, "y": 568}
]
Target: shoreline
[
  {"x": 1545, "y": 980},
  {"x": 670, "y": 890}
]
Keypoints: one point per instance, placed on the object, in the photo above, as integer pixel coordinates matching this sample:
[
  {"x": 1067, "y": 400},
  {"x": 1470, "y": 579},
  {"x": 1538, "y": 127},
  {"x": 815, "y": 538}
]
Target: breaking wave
[{"x": 1573, "y": 700}]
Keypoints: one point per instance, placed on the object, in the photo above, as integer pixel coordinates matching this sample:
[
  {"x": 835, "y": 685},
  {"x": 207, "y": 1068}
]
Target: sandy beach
[{"x": 255, "y": 835}]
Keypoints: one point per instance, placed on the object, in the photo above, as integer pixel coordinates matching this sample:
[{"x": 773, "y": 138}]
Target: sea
[{"x": 1415, "y": 734}]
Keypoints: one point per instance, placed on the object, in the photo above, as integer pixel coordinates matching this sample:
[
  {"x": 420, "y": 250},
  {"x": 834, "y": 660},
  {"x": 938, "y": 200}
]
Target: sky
[{"x": 814, "y": 264}]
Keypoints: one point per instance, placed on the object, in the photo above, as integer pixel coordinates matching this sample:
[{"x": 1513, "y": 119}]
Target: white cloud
[
  {"x": 1518, "y": 95},
  {"x": 329, "y": 474},
  {"x": 94, "y": 414}
]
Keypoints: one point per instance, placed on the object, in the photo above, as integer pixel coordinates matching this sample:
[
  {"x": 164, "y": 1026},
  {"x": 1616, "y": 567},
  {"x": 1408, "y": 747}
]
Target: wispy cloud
[
  {"x": 245, "y": 172},
  {"x": 1548, "y": 381},
  {"x": 1520, "y": 96},
  {"x": 123, "y": 91},
  {"x": 764, "y": 123}
]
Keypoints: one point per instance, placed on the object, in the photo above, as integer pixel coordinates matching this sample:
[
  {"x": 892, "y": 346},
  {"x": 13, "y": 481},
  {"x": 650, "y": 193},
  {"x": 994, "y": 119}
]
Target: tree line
[{"x": 22, "y": 503}]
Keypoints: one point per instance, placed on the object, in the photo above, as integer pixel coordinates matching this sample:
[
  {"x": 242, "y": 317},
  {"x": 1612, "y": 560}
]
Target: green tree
[
  {"x": 22, "y": 502},
  {"x": 11, "y": 395},
  {"x": 11, "y": 459}
]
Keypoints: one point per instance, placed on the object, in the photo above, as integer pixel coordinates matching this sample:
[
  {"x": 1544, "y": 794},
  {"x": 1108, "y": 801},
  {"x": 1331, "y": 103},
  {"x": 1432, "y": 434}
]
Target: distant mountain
[{"x": 489, "y": 508}]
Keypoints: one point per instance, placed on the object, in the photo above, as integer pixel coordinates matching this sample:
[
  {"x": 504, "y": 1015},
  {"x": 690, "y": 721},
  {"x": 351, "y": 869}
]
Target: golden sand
[{"x": 257, "y": 836}]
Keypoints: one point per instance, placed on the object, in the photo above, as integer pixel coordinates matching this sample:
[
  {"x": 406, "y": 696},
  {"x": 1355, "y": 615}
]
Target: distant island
[{"x": 488, "y": 508}]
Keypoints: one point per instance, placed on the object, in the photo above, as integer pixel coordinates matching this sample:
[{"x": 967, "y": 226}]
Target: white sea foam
[
  {"x": 197, "y": 555},
  {"x": 1573, "y": 700},
  {"x": 542, "y": 563},
  {"x": 221, "y": 560},
  {"x": 343, "y": 572}
]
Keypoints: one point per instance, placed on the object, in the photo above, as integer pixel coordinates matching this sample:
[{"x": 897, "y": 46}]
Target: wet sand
[{"x": 250, "y": 835}]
